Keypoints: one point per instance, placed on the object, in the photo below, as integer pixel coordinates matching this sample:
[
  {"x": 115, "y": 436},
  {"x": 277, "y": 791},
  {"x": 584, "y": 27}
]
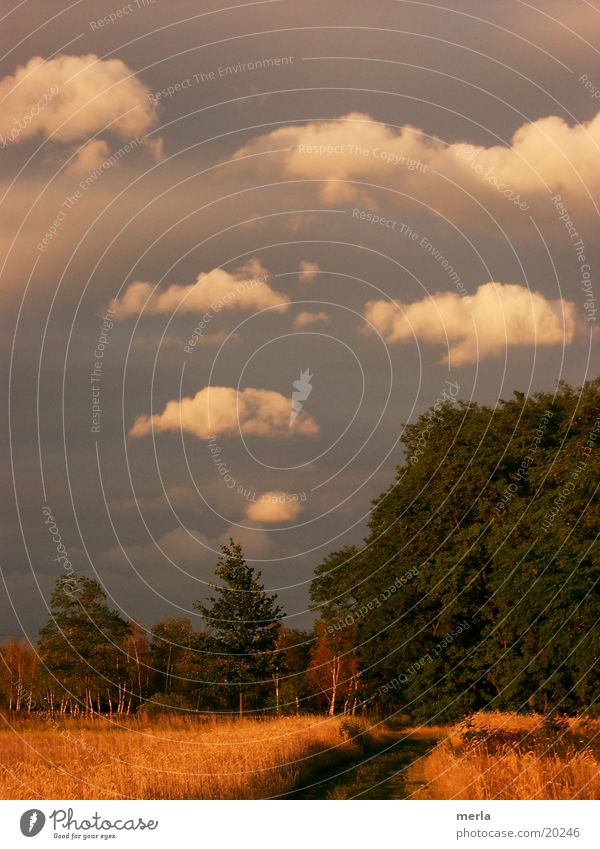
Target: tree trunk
[
  {"x": 168, "y": 677},
  {"x": 139, "y": 671},
  {"x": 335, "y": 677}
]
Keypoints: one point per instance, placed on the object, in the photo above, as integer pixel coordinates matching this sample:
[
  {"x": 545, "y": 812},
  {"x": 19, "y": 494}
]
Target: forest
[{"x": 476, "y": 588}]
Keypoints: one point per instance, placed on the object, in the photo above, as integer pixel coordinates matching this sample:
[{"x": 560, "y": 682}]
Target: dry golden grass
[
  {"x": 490, "y": 756},
  {"x": 510, "y": 756},
  {"x": 166, "y": 758}
]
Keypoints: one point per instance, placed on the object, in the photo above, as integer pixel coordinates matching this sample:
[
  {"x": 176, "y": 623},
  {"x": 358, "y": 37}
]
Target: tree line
[{"x": 476, "y": 588}]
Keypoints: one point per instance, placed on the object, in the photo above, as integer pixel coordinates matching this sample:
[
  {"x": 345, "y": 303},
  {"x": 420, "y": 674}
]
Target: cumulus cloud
[
  {"x": 274, "y": 506},
  {"x": 497, "y": 316},
  {"x": 72, "y": 97},
  {"x": 334, "y": 151},
  {"x": 544, "y": 154},
  {"x": 547, "y": 153},
  {"x": 308, "y": 271},
  {"x": 225, "y": 411},
  {"x": 304, "y": 319},
  {"x": 243, "y": 289}
]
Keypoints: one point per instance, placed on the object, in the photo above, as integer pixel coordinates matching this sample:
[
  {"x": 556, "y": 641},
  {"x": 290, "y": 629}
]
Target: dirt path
[{"x": 380, "y": 774}]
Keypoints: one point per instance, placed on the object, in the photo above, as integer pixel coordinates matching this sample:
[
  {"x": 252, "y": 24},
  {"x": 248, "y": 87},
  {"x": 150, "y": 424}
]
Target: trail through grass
[{"x": 379, "y": 771}]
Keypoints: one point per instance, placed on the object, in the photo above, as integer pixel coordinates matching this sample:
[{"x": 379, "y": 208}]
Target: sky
[{"x": 241, "y": 246}]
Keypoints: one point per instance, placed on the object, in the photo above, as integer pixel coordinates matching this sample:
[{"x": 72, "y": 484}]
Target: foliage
[
  {"x": 244, "y": 623},
  {"x": 477, "y": 585}
]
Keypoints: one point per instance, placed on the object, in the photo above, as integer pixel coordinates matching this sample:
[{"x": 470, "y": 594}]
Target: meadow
[
  {"x": 487, "y": 756},
  {"x": 165, "y": 758}
]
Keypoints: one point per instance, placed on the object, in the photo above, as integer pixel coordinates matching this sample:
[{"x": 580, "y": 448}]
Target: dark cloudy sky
[{"x": 399, "y": 197}]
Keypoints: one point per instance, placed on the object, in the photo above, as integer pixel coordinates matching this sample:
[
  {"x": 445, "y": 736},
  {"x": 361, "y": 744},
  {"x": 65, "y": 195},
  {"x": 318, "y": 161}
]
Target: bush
[{"x": 355, "y": 730}]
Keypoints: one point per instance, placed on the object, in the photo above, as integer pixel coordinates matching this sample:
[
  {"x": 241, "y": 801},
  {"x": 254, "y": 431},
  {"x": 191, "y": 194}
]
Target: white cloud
[
  {"x": 497, "y": 316},
  {"x": 244, "y": 289},
  {"x": 73, "y": 97},
  {"x": 308, "y": 271},
  {"x": 274, "y": 506},
  {"x": 304, "y": 319},
  {"x": 545, "y": 153},
  {"x": 224, "y": 411},
  {"x": 328, "y": 150}
]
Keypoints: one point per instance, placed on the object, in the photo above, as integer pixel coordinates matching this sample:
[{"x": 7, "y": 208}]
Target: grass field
[
  {"x": 510, "y": 756},
  {"x": 166, "y": 758},
  {"x": 489, "y": 756}
]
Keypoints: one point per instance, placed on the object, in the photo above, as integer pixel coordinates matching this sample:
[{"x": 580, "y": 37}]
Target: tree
[
  {"x": 293, "y": 692},
  {"x": 544, "y": 642},
  {"x": 335, "y": 585},
  {"x": 333, "y": 670},
  {"x": 478, "y": 582},
  {"x": 334, "y": 659},
  {"x": 82, "y": 645},
  {"x": 19, "y": 676},
  {"x": 173, "y": 646},
  {"x": 244, "y": 624},
  {"x": 138, "y": 655}
]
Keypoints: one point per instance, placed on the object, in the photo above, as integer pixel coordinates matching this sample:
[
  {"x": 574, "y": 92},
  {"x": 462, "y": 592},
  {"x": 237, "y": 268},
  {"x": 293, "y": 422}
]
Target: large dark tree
[
  {"x": 244, "y": 623},
  {"x": 478, "y": 582},
  {"x": 544, "y": 642}
]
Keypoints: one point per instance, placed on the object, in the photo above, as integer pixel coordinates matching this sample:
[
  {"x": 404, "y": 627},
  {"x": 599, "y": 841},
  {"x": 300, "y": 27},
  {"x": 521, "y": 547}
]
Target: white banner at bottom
[{"x": 301, "y": 824}]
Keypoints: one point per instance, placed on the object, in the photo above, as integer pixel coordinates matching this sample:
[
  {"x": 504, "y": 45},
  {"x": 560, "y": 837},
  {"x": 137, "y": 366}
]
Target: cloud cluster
[
  {"x": 225, "y": 411},
  {"x": 497, "y": 316},
  {"x": 243, "y": 289},
  {"x": 547, "y": 153},
  {"x": 73, "y": 97},
  {"x": 274, "y": 506}
]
